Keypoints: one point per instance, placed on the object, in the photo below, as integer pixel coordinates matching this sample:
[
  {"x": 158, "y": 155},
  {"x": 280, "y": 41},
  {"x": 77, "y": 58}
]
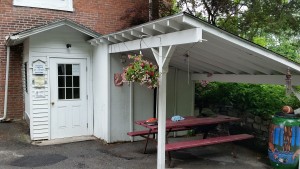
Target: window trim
[{"x": 46, "y": 4}]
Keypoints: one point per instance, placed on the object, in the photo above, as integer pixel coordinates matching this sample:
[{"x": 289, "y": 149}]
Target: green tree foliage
[
  {"x": 273, "y": 24},
  {"x": 261, "y": 100}
]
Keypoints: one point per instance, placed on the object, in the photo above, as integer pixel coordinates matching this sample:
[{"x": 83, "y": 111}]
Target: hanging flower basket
[{"x": 141, "y": 71}]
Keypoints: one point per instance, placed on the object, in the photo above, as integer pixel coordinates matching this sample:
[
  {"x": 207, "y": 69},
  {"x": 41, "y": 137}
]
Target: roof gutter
[{"x": 6, "y": 83}]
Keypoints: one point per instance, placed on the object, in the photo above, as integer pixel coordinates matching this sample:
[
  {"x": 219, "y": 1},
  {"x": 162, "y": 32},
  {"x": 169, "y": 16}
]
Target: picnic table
[{"x": 188, "y": 123}]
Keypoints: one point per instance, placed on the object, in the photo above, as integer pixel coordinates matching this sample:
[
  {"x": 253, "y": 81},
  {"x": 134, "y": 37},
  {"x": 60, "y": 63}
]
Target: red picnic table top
[{"x": 191, "y": 121}]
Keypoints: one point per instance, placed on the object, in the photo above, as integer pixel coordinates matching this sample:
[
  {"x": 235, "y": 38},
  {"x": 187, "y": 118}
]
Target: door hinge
[
  {"x": 87, "y": 125},
  {"x": 87, "y": 97},
  {"x": 86, "y": 68}
]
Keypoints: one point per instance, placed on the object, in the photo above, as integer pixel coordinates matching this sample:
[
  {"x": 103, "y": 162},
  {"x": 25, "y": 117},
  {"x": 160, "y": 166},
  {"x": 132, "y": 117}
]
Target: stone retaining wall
[{"x": 251, "y": 124}]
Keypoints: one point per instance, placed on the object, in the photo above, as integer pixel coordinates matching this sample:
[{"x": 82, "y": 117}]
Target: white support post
[
  {"x": 161, "y": 136},
  {"x": 131, "y": 109},
  {"x": 162, "y": 57}
]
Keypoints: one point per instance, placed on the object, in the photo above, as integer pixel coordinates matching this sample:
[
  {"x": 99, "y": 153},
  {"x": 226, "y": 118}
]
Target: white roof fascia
[
  {"x": 252, "y": 79},
  {"x": 240, "y": 42},
  {"x": 14, "y": 39},
  {"x": 168, "y": 19},
  {"x": 174, "y": 38}
]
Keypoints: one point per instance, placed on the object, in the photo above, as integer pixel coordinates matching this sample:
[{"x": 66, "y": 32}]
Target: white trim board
[{"x": 253, "y": 79}]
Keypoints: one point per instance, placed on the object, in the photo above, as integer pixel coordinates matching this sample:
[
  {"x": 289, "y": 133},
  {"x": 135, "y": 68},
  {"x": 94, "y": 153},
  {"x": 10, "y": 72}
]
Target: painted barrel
[{"x": 284, "y": 141}]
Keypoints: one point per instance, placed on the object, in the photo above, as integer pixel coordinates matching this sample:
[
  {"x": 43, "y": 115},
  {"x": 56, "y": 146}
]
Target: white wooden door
[{"x": 68, "y": 86}]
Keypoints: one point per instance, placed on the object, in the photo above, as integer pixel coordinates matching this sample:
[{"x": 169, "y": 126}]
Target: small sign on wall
[
  {"x": 39, "y": 81},
  {"x": 39, "y": 67},
  {"x": 40, "y": 93}
]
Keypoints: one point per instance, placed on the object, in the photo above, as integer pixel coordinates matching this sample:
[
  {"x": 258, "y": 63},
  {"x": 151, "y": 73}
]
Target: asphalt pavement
[{"x": 17, "y": 152}]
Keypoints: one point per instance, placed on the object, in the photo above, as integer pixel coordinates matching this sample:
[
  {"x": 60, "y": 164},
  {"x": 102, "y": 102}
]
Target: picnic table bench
[
  {"x": 146, "y": 134},
  {"x": 190, "y": 122},
  {"x": 204, "y": 142}
]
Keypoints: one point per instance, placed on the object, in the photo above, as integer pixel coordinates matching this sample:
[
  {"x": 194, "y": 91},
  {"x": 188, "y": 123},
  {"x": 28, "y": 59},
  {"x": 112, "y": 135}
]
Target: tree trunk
[{"x": 154, "y": 9}]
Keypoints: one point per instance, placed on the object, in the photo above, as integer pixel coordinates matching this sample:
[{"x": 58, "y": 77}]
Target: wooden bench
[
  {"x": 146, "y": 134},
  {"x": 204, "y": 142}
]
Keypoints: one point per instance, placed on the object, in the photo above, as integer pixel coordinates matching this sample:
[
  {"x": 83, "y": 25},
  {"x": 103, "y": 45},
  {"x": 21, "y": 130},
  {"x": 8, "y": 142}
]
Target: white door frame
[{"x": 89, "y": 83}]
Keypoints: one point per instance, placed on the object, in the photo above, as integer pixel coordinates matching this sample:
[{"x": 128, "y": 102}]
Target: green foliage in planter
[{"x": 262, "y": 100}]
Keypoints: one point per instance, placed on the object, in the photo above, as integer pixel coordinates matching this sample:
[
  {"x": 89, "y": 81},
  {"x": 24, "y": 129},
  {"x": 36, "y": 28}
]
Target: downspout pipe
[{"x": 6, "y": 83}]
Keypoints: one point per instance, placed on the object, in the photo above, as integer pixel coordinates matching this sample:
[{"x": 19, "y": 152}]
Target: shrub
[{"x": 262, "y": 100}]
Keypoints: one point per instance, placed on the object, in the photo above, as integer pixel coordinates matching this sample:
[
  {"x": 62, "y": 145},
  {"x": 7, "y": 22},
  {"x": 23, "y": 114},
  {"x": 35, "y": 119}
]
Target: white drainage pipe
[{"x": 6, "y": 83}]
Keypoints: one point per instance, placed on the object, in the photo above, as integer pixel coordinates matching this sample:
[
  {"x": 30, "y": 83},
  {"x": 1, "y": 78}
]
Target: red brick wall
[{"x": 100, "y": 16}]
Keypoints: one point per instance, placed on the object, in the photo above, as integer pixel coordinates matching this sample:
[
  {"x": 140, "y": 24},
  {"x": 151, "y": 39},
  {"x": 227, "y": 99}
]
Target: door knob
[{"x": 52, "y": 103}]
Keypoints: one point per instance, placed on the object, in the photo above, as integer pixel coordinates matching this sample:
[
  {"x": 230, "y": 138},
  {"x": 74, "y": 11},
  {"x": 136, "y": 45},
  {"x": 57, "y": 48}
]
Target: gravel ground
[{"x": 16, "y": 152}]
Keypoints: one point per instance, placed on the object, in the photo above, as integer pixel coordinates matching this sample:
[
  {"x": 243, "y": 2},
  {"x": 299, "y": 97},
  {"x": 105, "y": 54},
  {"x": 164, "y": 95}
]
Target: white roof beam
[
  {"x": 111, "y": 39},
  {"x": 127, "y": 36},
  {"x": 94, "y": 43},
  {"x": 159, "y": 28},
  {"x": 252, "y": 79},
  {"x": 200, "y": 64},
  {"x": 99, "y": 41},
  {"x": 195, "y": 63},
  {"x": 119, "y": 38},
  {"x": 212, "y": 61},
  {"x": 174, "y": 38},
  {"x": 226, "y": 63},
  {"x": 244, "y": 65},
  {"x": 102, "y": 40},
  {"x": 180, "y": 66},
  {"x": 253, "y": 59},
  {"x": 136, "y": 33},
  {"x": 147, "y": 31},
  {"x": 174, "y": 25}
]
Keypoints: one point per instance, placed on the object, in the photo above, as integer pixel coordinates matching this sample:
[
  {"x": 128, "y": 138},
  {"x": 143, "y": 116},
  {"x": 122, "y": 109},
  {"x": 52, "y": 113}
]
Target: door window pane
[
  {"x": 61, "y": 69},
  {"x": 76, "y": 92},
  {"x": 69, "y": 93},
  {"x": 68, "y": 69},
  {"x": 68, "y": 81},
  {"x": 75, "y": 81},
  {"x": 61, "y": 81},
  {"x": 61, "y": 93}
]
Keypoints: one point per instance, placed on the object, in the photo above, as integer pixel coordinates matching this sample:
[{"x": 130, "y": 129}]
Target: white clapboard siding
[
  {"x": 41, "y": 127},
  {"x": 41, "y": 120},
  {"x": 40, "y": 131},
  {"x": 41, "y": 137},
  {"x": 41, "y": 115},
  {"x": 37, "y": 123},
  {"x": 40, "y": 106},
  {"x": 43, "y": 46},
  {"x": 40, "y": 102}
]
